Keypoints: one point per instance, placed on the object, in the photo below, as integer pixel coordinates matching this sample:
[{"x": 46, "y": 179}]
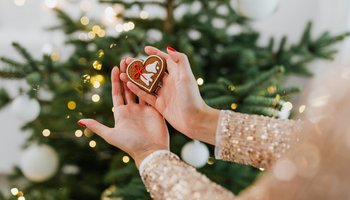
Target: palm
[{"x": 136, "y": 123}]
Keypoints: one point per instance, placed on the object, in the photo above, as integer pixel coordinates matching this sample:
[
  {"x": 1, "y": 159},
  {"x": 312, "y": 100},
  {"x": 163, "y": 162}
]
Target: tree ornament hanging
[
  {"x": 257, "y": 9},
  {"x": 26, "y": 108},
  {"x": 195, "y": 153},
  {"x": 39, "y": 162}
]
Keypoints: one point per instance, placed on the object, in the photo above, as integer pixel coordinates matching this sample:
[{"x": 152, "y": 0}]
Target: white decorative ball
[
  {"x": 257, "y": 9},
  {"x": 39, "y": 163},
  {"x": 195, "y": 153},
  {"x": 26, "y": 108}
]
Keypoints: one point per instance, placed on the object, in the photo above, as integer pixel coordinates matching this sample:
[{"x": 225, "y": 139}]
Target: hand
[
  {"x": 179, "y": 99},
  {"x": 139, "y": 129}
]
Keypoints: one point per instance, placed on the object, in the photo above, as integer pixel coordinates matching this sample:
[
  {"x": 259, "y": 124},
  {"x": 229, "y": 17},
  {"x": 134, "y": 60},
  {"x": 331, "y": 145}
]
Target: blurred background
[{"x": 25, "y": 21}]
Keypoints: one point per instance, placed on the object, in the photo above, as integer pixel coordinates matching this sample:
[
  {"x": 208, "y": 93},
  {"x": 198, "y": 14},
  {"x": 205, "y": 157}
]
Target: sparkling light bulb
[
  {"x": 14, "y": 191},
  {"x": 92, "y": 143},
  {"x": 78, "y": 133},
  {"x": 46, "y": 132},
  {"x": 125, "y": 159},
  {"x": 144, "y": 14},
  {"x": 95, "y": 98},
  {"x": 200, "y": 81}
]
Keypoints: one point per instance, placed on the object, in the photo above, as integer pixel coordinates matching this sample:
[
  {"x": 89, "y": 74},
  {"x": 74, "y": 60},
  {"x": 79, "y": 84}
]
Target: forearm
[
  {"x": 167, "y": 177},
  {"x": 254, "y": 140}
]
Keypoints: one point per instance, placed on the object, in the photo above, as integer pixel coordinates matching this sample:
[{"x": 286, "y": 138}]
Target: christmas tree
[{"x": 233, "y": 72}]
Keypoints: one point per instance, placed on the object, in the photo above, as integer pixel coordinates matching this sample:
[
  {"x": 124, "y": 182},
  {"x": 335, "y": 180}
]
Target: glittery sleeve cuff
[
  {"x": 253, "y": 140},
  {"x": 167, "y": 177}
]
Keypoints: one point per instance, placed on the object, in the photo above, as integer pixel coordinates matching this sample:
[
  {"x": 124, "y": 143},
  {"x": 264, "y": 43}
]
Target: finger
[
  {"x": 128, "y": 60},
  {"x": 123, "y": 65},
  {"x": 124, "y": 77},
  {"x": 154, "y": 51},
  {"x": 178, "y": 57},
  {"x": 148, "y": 98},
  {"x": 96, "y": 127},
  {"x": 129, "y": 97},
  {"x": 117, "y": 93}
]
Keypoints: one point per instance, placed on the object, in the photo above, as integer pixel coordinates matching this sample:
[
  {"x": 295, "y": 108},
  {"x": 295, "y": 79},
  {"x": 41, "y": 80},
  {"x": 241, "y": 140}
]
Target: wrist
[
  {"x": 203, "y": 127},
  {"x": 141, "y": 156}
]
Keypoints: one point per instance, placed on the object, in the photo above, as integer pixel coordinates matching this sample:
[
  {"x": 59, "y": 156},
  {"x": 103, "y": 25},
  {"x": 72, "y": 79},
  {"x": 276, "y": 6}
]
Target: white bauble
[
  {"x": 26, "y": 108},
  {"x": 257, "y": 9},
  {"x": 195, "y": 153},
  {"x": 39, "y": 163}
]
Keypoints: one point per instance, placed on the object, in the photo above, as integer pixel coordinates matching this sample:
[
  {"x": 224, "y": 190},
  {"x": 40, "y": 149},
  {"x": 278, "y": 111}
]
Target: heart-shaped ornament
[{"x": 147, "y": 74}]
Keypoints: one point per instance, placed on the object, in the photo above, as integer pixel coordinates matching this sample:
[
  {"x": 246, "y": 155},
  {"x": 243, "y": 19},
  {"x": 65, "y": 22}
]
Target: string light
[
  {"x": 125, "y": 159},
  {"x": 234, "y": 106},
  {"x": 84, "y": 20},
  {"x": 113, "y": 109},
  {"x": 119, "y": 28},
  {"x": 78, "y": 133},
  {"x": 128, "y": 26},
  {"x": 51, "y": 3},
  {"x": 46, "y": 132},
  {"x": 14, "y": 191},
  {"x": 91, "y": 35},
  {"x": 96, "y": 29},
  {"x": 262, "y": 169},
  {"x": 71, "y": 105},
  {"x": 92, "y": 143},
  {"x": 112, "y": 45},
  {"x": 86, "y": 78},
  {"x": 21, "y": 198},
  {"x": 55, "y": 56},
  {"x": 210, "y": 161},
  {"x": 97, "y": 65},
  {"x": 100, "y": 53},
  {"x": 101, "y": 33},
  {"x": 287, "y": 106},
  {"x": 144, "y": 14},
  {"x": 96, "y": 84},
  {"x": 98, "y": 78},
  {"x": 19, "y": 2},
  {"x": 200, "y": 81},
  {"x": 302, "y": 108},
  {"x": 88, "y": 133},
  {"x": 271, "y": 89},
  {"x": 95, "y": 98},
  {"x": 231, "y": 87}
]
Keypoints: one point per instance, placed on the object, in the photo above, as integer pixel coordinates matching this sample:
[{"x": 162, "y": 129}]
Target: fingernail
[
  {"x": 171, "y": 49},
  {"x": 81, "y": 124}
]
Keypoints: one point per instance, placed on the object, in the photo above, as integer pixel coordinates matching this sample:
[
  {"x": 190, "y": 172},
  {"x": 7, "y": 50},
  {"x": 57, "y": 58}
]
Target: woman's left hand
[{"x": 139, "y": 129}]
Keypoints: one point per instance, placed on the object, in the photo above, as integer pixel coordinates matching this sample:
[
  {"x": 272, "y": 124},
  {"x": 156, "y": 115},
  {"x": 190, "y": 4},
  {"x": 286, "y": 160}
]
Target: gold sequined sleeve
[
  {"x": 253, "y": 140},
  {"x": 167, "y": 177}
]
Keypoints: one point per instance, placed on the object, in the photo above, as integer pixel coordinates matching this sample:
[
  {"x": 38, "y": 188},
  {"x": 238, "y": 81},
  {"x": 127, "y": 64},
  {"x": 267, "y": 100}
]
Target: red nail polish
[
  {"x": 171, "y": 49},
  {"x": 81, "y": 124}
]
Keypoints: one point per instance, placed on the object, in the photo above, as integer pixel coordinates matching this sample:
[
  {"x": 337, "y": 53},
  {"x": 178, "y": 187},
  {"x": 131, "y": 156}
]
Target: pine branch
[
  {"x": 221, "y": 102},
  {"x": 24, "y": 53},
  {"x": 11, "y": 74},
  {"x": 129, "y": 4},
  {"x": 245, "y": 89},
  {"x": 261, "y": 101},
  {"x": 260, "y": 110},
  {"x": 4, "y": 98},
  {"x": 11, "y": 62}
]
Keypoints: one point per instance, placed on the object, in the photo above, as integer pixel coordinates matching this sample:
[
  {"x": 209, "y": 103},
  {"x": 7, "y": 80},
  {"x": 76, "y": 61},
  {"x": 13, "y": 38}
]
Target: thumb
[{"x": 96, "y": 127}]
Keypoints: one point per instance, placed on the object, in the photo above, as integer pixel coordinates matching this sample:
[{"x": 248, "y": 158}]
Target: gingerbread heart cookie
[{"x": 147, "y": 74}]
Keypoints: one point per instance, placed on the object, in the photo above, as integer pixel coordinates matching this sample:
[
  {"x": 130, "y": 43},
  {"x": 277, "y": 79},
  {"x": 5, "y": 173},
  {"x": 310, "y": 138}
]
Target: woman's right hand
[{"x": 179, "y": 99}]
